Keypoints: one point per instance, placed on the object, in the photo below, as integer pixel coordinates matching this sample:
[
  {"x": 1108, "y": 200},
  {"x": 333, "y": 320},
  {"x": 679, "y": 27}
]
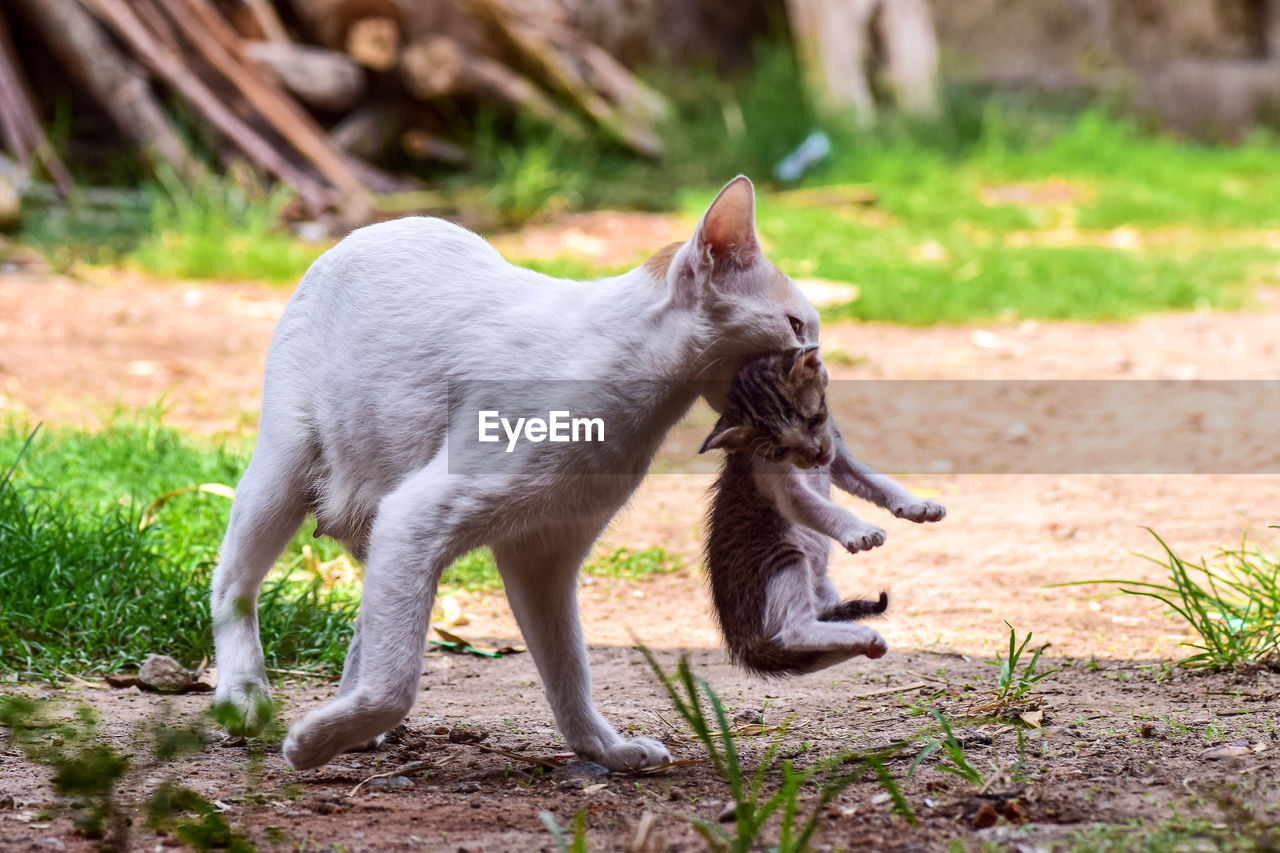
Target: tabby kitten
[{"x": 770, "y": 520}]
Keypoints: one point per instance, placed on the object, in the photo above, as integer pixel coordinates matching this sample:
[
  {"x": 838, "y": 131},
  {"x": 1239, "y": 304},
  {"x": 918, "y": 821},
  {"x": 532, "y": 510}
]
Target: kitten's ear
[
  {"x": 803, "y": 360},
  {"x": 725, "y": 437},
  {"x": 728, "y": 228}
]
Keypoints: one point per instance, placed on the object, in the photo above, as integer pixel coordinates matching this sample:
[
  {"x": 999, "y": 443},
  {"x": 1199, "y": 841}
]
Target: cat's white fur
[{"x": 354, "y": 429}]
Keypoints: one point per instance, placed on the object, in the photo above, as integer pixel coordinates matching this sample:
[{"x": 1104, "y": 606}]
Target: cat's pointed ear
[
  {"x": 728, "y": 228},
  {"x": 803, "y": 360},
  {"x": 724, "y": 437}
]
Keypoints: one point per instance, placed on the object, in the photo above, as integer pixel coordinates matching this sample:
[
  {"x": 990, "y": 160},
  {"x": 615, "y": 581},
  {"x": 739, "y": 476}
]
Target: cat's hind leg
[
  {"x": 541, "y": 580},
  {"x": 420, "y": 527},
  {"x": 267, "y": 510}
]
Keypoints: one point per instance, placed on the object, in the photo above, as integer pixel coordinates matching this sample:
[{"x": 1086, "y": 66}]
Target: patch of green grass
[
  {"x": 85, "y": 587},
  {"x": 1237, "y": 829},
  {"x": 108, "y": 543},
  {"x": 220, "y": 230},
  {"x": 214, "y": 230},
  {"x": 1014, "y": 687},
  {"x": 994, "y": 211},
  {"x": 753, "y": 811},
  {"x": 630, "y": 563},
  {"x": 1232, "y": 606},
  {"x": 85, "y": 768}
]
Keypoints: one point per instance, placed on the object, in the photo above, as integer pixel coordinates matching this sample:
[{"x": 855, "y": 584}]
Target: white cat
[{"x": 355, "y": 428}]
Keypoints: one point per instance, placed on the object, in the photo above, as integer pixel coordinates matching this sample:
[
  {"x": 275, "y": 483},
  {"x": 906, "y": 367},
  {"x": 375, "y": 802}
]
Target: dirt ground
[{"x": 71, "y": 350}]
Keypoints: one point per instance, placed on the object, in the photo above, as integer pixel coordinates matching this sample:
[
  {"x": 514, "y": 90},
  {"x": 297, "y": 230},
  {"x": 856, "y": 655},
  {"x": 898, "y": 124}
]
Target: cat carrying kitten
[
  {"x": 388, "y": 333},
  {"x": 771, "y": 518}
]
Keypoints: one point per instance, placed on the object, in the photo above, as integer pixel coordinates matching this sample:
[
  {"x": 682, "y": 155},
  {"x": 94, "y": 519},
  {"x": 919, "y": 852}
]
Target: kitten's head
[
  {"x": 745, "y": 305},
  {"x": 777, "y": 409}
]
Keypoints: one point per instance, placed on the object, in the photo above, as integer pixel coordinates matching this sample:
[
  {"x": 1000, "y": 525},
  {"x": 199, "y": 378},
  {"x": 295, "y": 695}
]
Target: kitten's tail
[{"x": 853, "y": 609}]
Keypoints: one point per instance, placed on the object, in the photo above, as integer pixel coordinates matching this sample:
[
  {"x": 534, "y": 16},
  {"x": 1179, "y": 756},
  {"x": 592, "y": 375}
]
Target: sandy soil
[{"x": 70, "y": 350}]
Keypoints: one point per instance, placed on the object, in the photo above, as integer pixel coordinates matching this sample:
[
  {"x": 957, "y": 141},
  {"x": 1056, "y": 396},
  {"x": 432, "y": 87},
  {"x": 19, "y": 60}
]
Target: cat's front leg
[
  {"x": 862, "y": 481},
  {"x": 541, "y": 580}
]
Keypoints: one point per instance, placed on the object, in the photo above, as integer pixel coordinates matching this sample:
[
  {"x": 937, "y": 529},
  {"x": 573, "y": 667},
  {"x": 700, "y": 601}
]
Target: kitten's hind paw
[
  {"x": 873, "y": 646},
  {"x": 919, "y": 511},
  {"x": 631, "y": 755},
  {"x": 243, "y": 709},
  {"x": 864, "y": 539}
]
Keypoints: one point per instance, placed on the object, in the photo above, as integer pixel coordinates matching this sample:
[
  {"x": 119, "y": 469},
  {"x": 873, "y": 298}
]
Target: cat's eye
[
  {"x": 797, "y": 326},
  {"x": 817, "y": 420}
]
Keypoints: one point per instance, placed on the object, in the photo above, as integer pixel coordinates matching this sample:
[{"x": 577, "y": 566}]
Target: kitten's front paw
[
  {"x": 632, "y": 755},
  {"x": 243, "y": 708},
  {"x": 863, "y": 539},
  {"x": 919, "y": 511}
]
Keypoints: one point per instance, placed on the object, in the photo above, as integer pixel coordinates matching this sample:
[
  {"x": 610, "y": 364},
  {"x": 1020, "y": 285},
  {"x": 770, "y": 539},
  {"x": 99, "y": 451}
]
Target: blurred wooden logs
[
  {"x": 369, "y": 30},
  {"x": 441, "y": 67},
  {"x": 322, "y": 79},
  {"x": 21, "y": 131},
  {"x": 94, "y": 62},
  {"x": 312, "y": 106},
  {"x": 582, "y": 72}
]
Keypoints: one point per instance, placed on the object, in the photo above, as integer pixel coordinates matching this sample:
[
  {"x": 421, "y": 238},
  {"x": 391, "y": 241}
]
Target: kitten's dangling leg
[
  {"x": 791, "y": 620},
  {"x": 417, "y": 533},
  {"x": 541, "y": 580},
  {"x": 267, "y": 511}
]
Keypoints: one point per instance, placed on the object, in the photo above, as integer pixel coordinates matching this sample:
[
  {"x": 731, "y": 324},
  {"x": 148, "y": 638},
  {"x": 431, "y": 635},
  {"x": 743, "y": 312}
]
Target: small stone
[
  {"x": 495, "y": 774},
  {"x": 1014, "y": 813},
  {"x": 458, "y": 734},
  {"x": 985, "y": 816},
  {"x": 441, "y": 730},
  {"x": 1225, "y": 751},
  {"x": 391, "y": 783},
  {"x": 728, "y": 814},
  {"x": 748, "y": 716},
  {"x": 467, "y": 788},
  {"x": 578, "y": 774},
  {"x": 164, "y": 674},
  {"x": 1148, "y": 730}
]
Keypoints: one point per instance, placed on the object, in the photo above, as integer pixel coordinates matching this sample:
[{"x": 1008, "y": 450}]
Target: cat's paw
[
  {"x": 635, "y": 754},
  {"x": 631, "y": 755},
  {"x": 310, "y": 745},
  {"x": 919, "y": 511},
  {"x": 243, "y": 708},
  {"x": 863, "y": 539}
]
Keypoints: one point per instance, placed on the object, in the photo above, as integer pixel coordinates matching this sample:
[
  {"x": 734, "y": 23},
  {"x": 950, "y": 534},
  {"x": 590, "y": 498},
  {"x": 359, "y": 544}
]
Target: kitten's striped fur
[{"x": 768, "y": 573}]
